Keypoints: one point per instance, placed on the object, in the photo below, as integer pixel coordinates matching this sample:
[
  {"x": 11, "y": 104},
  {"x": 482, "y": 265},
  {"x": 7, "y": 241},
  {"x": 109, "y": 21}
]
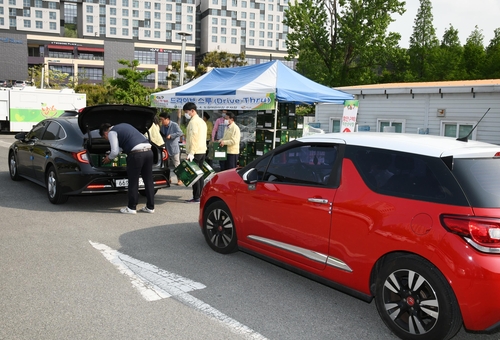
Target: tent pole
[{"x": 275, "y": 122}]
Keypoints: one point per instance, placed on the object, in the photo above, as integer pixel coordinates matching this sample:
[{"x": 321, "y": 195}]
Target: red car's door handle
[{"x": 318, "y": 200}]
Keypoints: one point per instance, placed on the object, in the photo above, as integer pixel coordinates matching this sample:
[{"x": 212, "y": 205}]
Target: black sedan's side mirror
[
  {"x": 20, "y": 136},
  {"x": 251, "y": 176}
]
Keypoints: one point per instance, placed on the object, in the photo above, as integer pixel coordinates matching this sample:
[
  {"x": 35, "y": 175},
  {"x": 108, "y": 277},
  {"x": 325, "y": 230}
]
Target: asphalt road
[{"x": 55, "y": 284}]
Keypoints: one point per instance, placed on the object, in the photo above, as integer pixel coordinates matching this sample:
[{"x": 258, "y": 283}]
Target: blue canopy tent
[{"x": 254, "y": 87}]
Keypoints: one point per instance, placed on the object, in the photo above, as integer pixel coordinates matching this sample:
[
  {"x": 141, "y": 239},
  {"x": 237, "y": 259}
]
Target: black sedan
[{"x": 64, "y": 154}]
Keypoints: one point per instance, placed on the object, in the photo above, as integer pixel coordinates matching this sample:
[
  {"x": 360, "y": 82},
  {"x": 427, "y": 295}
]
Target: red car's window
[
  {"x": 407, "y": 175},
  {"x": 303, "y": 164}
]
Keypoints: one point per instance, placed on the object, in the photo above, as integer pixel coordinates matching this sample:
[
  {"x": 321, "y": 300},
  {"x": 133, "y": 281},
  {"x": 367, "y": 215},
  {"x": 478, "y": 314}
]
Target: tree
[
  {"x": 448, "y": 64},
  {"x": 129, "y": 90},
  {"x": 423, "y": 43},
  {"x": 492, "y": 58},
  {"x": 474, "y": 54},
  {"x": 96, "y": 94},
  {"x": 341, "y": 42}
]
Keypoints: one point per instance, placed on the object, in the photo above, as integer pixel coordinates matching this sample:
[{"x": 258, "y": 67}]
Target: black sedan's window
[
  {"x": 37, "y": 131},
  {"x": 304, "y": 164},
  {"x": 54, "y": 132}
]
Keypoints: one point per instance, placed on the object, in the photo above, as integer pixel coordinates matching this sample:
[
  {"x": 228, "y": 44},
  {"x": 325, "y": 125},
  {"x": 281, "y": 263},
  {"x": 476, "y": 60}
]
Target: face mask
[
  {"x": 187, "y": 116},
  {"x": 223, "y": 115},
  {"x": 226, "y": 122}
]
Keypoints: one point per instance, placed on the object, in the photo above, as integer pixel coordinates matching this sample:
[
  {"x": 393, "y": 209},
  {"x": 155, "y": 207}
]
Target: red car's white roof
[{"x": 434, "y": 146}]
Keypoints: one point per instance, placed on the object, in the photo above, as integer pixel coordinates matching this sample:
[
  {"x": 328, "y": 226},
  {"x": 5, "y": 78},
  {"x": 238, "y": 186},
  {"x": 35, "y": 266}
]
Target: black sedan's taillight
[{"x": 81, "y": 156}]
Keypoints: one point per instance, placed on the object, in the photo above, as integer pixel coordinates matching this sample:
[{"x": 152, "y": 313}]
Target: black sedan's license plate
[{"x": 123, "y": 183}]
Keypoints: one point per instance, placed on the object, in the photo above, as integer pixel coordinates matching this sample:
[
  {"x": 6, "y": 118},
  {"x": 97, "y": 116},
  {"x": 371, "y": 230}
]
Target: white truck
[{"x": 21, "y": 108}]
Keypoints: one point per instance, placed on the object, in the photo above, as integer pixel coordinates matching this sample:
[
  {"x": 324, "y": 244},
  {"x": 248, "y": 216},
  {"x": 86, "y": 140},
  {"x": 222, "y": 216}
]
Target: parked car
[
  {"x": 64, "y": 154},
  {"x": 5, "y": 83},
  {"x": 411, "y": 221}
]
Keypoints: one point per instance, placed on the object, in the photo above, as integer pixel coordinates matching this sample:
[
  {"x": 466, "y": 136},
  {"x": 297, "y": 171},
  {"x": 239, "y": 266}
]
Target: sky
[{"x": 464, "y": 15}]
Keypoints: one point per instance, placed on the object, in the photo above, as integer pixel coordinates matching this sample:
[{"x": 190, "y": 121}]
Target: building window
[
  {"x": 233, "y": 41},
  {"x": 90, "y": 9},
  {"x": 223, "y": 40},
  {"x": 90, "y": 19},
  {"x": 124, "y": 3},
  {"x": 39, "y": 24},
  {"x": 135, "y": 13},
  {"x": 124, "y": 12},
  {"x": 157, "y": 25},
  {"x": 457, "y": 129},
  {"x": 147, "y": 34},
  {"x": 234, "y": 31},
  {"x": 112, "y": 31},
  {"x": 157, "y": 34},
  {"x": 89, "y": 73},
  {"x": 27, "y": 23},
  {"x": 112, "y": 21},
  {"x": 214, "y": 38},
  {"x": 112, "y": 11},
  {"x": 269, "y": 43},
  {"x": 38, "y": 14},
  {"x": 251, "y": 42},
  {"x": 157, "y": 6},
  {"x": 26, "y": 12},
  {"x": 90, "y": 29},
  {"x": 12, "y": 2},
  {"x": 26, "y": 3},
  {"x": 214, "y": 30},
  {"x": 125, "y": 32},
  {"x": 334, "y": 124},
  {"x": 125, "y": 22},
  {"x": 384, "y": 125}
]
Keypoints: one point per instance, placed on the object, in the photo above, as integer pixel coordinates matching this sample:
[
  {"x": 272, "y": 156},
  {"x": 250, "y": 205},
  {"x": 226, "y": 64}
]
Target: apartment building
[{"x": 86, "y": 38}]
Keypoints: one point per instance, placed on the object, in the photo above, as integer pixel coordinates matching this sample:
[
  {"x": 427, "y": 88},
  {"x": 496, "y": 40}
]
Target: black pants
[
  {"x": 140, "y": 164},
  {"x": 230, "y": 163},
  {"x": 199, "y": 158}
]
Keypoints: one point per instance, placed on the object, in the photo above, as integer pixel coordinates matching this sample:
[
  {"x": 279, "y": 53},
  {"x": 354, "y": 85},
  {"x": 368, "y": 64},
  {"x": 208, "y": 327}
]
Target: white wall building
[{"x": 437, "y": 108}]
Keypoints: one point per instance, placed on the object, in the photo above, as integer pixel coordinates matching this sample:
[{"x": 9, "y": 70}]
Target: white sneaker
[
  {"x": 147, "y": 210},
  {"x": 127, "y": 210}
]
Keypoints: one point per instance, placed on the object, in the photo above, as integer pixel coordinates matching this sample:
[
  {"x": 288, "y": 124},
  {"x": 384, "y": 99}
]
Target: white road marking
[
  {"x": 5, "y": 144},
  {"x": 155, "y": 283}
]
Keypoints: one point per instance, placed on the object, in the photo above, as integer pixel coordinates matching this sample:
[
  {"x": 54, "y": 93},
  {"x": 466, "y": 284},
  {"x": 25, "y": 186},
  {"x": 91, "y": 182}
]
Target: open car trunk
[
  {"x": 97, "y": 147},
  {"x": 91, "y": 118}
]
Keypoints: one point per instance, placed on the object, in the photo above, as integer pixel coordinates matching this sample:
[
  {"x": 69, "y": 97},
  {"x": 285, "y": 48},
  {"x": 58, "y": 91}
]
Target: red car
[{"x": 412, "y": 221}]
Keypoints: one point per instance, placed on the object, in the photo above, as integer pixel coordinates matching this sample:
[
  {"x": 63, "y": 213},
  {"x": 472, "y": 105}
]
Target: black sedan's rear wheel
[
  {"x": 14, "y": 174},
  {"x": 218, "y": 228},
  {"x": 53, "y": 187},
  {"x": 415, "y": 301}
]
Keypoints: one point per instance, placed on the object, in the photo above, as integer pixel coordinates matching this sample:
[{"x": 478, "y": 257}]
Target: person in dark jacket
[{"x": 139, "y": 162}]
